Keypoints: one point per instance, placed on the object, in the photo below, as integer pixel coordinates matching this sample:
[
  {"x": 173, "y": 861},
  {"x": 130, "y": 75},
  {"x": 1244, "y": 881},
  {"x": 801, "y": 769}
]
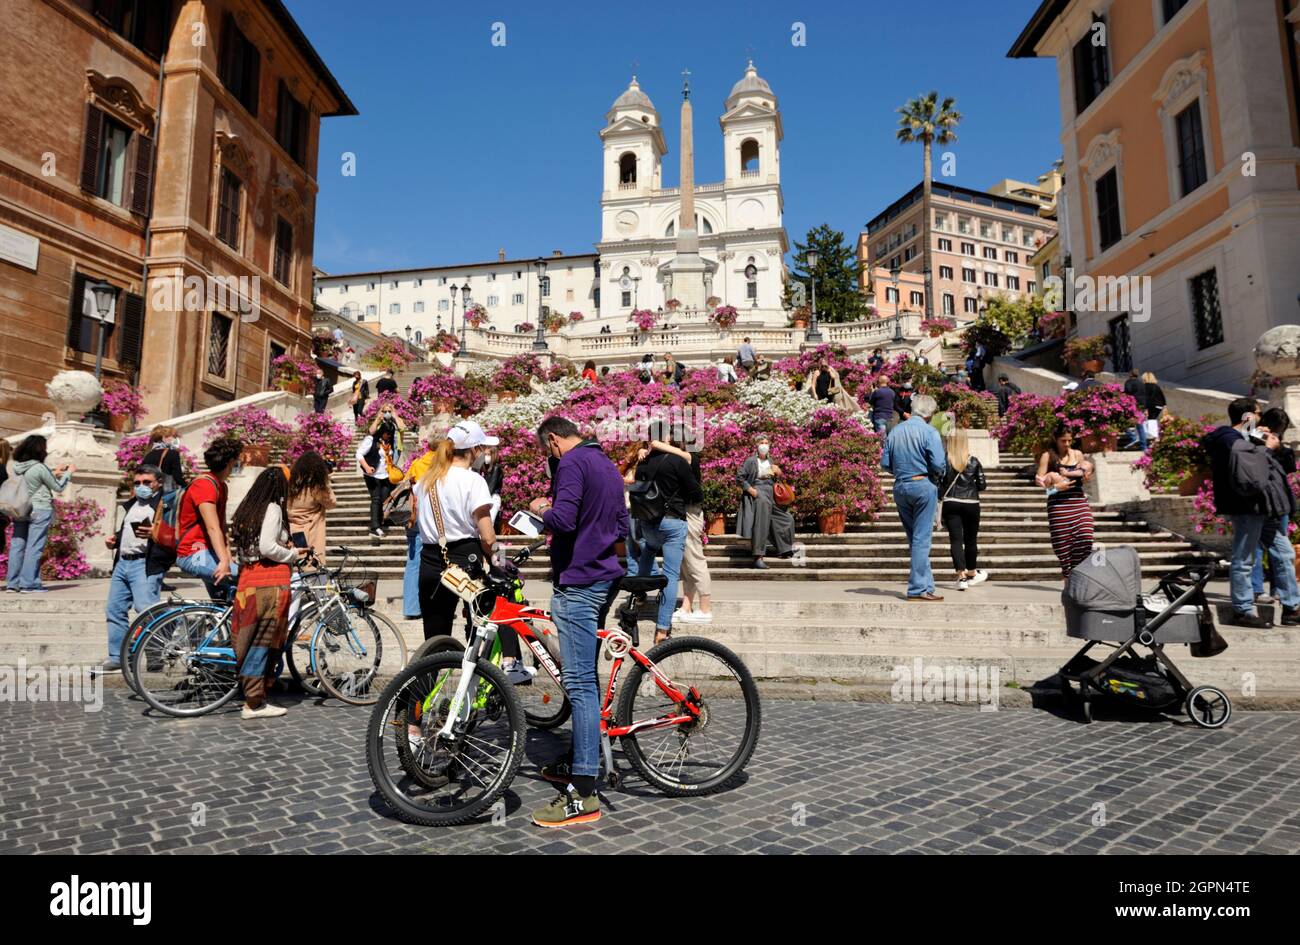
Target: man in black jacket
[
  {"x": 138, "y": 563},
  {"x": 677, "y": 487},
  {"x": 1006, "y": 390},
  {"x": 321, "y": 393},
  {"x": 1250, "y": 489},
  {"x": 1136, "y": 388}
]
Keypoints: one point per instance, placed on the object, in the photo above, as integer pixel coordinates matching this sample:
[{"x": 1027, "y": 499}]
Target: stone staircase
[{"x": 1015, "y": 542}]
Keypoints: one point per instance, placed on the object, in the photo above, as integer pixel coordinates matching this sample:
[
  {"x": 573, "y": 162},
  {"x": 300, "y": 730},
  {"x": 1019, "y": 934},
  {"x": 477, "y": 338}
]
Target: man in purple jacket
[{"x": 588, "y": 521}]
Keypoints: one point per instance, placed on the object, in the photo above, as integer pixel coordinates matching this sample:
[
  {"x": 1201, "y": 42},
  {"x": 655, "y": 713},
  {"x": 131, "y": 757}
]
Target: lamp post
[
  {"x": 454, "y": 289},
  {"x": 636, "y": 291},
  {"x": 539, "y": 344},
  {"x": 894, "y": 273},
  {"x": 105, "y": 295},
  {"x": 408, "y": 334},
  {"x": 464, "y": 316},
  {"x": 812, "y": 335}
]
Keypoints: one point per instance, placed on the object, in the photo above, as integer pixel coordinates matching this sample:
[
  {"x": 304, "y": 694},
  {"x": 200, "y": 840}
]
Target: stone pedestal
[
  {"x": 96, "y": 478},
  {"x": 984, "y": 447},
  {"x": 1115, "y": 481}
]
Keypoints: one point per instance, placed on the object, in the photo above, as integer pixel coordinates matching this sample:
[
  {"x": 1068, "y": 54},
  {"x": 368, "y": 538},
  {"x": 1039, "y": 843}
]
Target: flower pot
[
  {"x": 507, "y": 397},
  {"x": 831, "y": 523},
  {"x": 715, "y": 524},
  {"x": 1095, "y": 365},
  {"x": 1099, "y": 443},
  {"x": 256, "y": 454},
  {"x": 444, "y": 405},
  {"x": 1192, "y": 484},
  {"x": 801, "y": 323},
  {"x": 294, "y": 387},
  {"x": 118, "y": 424}
]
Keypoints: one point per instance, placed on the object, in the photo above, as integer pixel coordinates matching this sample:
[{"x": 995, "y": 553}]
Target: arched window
[
  {"x": 702, "y": 225},
  {"x": 749, "y": 157},
  {"x": 627, "y": 168},
  {"x": 419, "y": 337},
  {"x": 751, "y": 281}
]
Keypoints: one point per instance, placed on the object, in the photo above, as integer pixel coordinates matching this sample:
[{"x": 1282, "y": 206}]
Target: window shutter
[
  {"x": 109, "y": 11},
  {"x": 142, "y": 174},
  {"x": 75, "y": 308},
  {"x": 131, "y": 339},
  {"x": 253, "y": 63},
  {"x": 90, "y": 147},
  {"x": 226, "y": 58},
  {"x": 157, "y": 17}
]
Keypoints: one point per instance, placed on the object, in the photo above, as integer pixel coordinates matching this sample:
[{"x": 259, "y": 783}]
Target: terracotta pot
[
  {"x": 256, "y": 454},
  {"x": 1192, "y": 484},
  {"x": 118, "y": 424},
  {"x": 831, "y": 523},
  {"x": 801, "y": 323},
  {"x": 295, "y": 387},
  {"x": 1095, "y": 365},
  {"x": 715, "y": 524},
  {"x": 1094, "y": 443},
  {"x": 444, "y": 405}
]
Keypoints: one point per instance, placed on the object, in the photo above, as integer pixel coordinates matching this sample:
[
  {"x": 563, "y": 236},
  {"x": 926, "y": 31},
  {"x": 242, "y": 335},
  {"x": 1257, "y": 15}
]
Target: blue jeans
[
  {"x": 880, "y": 426},
  {"x": 129, "y": 588},
  {"x": 575, "y": 611},
  {"x": 916, "y": 500},
  {"x": 411, "y": 575},
  {"x": 26, "y": 548},
  {"x": 667, "y": 537},
  {"x": 1250, "y": 532},
  {"x": 634, "y": 544},
  {"x": 203, "y": 564}
]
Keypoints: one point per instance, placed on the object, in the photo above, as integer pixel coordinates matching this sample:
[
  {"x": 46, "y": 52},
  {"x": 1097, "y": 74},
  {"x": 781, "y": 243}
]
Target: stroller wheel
[{"x": 1208, "y": 707}]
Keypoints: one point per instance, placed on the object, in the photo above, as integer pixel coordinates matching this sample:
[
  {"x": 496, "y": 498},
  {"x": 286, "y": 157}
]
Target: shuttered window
[
  {"x": 241, "y": 65},
  {"x": 142, "y": 23},
  {"x": 130, "y": 343},
  {"x": 228, "y": 199},
  {"x": 220, "y": 330},
  {"x": 282, "y": 267},
  {"x": 1191, "y": 148},
  {"x": 116, "y": 162},
  {"x": 1108, "y": 222},
  {"x": 291, "y": 125},
  {"x": 1091, "y": 65}
]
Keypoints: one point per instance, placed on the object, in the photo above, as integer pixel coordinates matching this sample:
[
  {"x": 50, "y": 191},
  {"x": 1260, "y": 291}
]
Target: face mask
[
  {"x": 239, "y": 468},
  {"x": 487, "y": 459},
  {"x": 762, "y": 449},
  {"x": 144, "y": 493},
  {"x": 176, "y": 442}
]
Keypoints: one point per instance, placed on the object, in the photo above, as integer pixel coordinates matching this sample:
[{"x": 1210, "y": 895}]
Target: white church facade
[{"x": 741, "y": 240}]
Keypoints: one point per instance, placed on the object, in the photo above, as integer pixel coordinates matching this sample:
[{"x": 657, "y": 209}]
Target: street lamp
[
  {"x": 464, "y": 316},
  {"x": 454, "y": 289},
  {"x": 813, "y": 334},
  {"x": 894, "y": 273},
  {"x": 408, "y": 334},
  {"x": 539, "y": 344},
  {"x": 636, "y": 291},
  {"x": 105, "y": 295}
]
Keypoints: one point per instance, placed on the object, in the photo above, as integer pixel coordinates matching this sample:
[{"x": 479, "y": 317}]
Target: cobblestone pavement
[{"x": 827, "y": 777}]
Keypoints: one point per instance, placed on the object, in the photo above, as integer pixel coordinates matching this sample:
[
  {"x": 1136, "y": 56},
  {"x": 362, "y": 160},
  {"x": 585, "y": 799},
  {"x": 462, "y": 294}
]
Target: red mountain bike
[{"x": 447, "y": 735}]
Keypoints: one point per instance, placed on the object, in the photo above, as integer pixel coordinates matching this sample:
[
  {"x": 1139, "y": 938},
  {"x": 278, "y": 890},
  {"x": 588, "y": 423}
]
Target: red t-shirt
[{"x": 194, "y": 536}]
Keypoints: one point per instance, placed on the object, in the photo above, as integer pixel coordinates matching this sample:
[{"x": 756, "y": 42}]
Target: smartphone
[
  {"x": 526, "y": 523},
  {"x": 299, "y": 539}
]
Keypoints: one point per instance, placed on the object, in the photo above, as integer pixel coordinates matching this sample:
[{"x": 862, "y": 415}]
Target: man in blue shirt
[{"x": 914, "y": 454}]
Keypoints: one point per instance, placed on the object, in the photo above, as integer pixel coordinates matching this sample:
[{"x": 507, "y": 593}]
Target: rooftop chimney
[
  {"x": 557, "y": 252},
  {"x": 501, "y": 254}
]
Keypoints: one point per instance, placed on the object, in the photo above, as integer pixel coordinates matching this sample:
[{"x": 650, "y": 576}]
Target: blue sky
[{"x": 463, "y": 147}]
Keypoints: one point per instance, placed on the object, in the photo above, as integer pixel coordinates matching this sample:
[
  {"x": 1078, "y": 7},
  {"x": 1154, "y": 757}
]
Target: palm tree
[{"x": 927, "y": 120}]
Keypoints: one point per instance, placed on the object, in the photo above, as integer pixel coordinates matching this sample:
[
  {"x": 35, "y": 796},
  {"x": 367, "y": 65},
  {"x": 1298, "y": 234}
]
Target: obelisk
[{"x": 686, "y": 270}]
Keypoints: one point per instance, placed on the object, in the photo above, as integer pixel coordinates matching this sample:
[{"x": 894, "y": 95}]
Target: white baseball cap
[{"x": 467, "y": 434}]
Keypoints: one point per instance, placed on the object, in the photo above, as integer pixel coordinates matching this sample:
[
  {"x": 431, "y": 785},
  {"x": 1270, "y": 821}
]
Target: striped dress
[{"x": 1070, "y": 519}]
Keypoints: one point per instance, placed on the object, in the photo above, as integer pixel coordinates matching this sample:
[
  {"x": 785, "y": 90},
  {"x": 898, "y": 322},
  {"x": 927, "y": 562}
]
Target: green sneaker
[{"x": 568, "y": 808}]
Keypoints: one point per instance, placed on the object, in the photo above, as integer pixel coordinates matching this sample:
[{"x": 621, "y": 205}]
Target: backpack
[
  {"x": 648, "y": 503},
  {"x": 166, "y": 529},
  {"x": 1248, "y": 469},
  {"x": 16, "y": 498}
]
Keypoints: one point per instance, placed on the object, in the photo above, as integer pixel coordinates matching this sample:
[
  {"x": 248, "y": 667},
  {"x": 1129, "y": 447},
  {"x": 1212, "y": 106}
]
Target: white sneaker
[
  {"x": 267, "y": 711},
  {"x": 962, "y": 584},
  {"x": 519, "y": 674},
  {"x": 697, "y": 616},
  {"x": 979, "y": 578},
  {"x": 681, "y": 614}
]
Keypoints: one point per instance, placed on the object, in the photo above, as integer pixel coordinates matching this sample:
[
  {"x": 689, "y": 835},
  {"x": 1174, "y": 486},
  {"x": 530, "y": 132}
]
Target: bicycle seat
[{"x": 643, "y": 585}]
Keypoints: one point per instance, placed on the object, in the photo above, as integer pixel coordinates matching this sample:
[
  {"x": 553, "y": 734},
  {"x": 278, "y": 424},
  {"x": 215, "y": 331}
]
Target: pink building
[{"x": 980, "y": 244}]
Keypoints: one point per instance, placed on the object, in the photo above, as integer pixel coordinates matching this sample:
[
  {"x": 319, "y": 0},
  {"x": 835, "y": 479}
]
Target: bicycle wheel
[
  {"x": 703, "y": 755},
  {"x": 438, "y": 644},
  {"x": 355, "y": 663},
  {"x": 185, "y": 664},
  {"x": 457, "y": 778},
  {"x": 297, "y": 651},
  {"x": 135, "y": 633},
  {"x": 546, "y": 705}
]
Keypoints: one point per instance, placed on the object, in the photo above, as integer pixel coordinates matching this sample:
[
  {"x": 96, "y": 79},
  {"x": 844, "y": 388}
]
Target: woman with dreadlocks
[{"x": 259, "y": 623}]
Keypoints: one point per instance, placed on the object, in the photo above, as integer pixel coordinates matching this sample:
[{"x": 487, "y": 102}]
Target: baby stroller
[{"x": 1104, "y": 605}]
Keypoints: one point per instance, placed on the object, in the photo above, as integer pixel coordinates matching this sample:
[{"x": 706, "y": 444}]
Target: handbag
[
  {"x": 395, "y": 474},
  {"x": 455, "y": 578},
  {"x": 782, "y": 494}
]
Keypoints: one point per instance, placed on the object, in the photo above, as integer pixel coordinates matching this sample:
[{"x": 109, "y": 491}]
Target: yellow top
[{"x": 420, "y": 466}]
